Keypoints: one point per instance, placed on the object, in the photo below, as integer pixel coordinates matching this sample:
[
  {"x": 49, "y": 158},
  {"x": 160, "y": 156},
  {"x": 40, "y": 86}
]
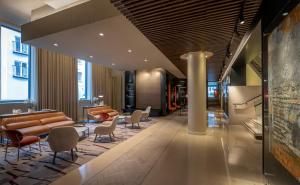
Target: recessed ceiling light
[
  {"x": 113, "y": 64},
  {"x": 129, "y": 51},
  {"x": 206, "y": 56},
  {"x": 285, "y": 13},
  {"x": 91, "y": 56},
  {"x": 145, "y": 60},
  {"x": 55, "y": 44},
  {"x": 101, "y": 34},
  {"x": 242, "y": 19}
]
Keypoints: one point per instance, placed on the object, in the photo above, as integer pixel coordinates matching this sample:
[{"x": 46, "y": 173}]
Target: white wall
[{"x": 240, "y": 94}]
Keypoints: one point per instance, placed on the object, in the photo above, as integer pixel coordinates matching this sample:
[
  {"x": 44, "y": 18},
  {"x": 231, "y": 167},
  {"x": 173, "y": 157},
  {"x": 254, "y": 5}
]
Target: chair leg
[
  {"x": 113, "y": 134},
  {"x": 29, "y": 147},
  {"x": 76, "y": 148},
  {"x": 139, "y": 124},
  {"x": 72, "y": 154},
  {"x": 54, "y": 156},
  {"x": 110, "y": 137},
  {"x": 95, "y": 138},
  {"x": 6, "y": 150},
  {"x": 18, "y": 153},
  {"x": 131, "y": 125},
  {"x": 40, "y": 147}
]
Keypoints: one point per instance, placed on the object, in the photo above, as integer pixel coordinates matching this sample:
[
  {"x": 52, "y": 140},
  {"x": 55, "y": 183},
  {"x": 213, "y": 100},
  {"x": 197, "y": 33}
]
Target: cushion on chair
[
  {"x": 27, "y": 140},
  {"x": 60, "y": 124},
  {"x": 35, "y": 130},
  {"x": 54, "y": 119},
  {"x": 24, "y": 124}
]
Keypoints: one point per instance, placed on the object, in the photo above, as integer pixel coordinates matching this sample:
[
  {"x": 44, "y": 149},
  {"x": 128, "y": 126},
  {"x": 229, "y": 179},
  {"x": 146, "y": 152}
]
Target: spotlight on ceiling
[
  {"x": 113, "y": 64},
  {"x": 242, "y": 19},
  {"x": 285, "y": 13},
  {"x": 129, "y": 51},
  {"x": 91, "y": 56},
  {"x": 101, "y": 34},
  {"x": 145, "y": 60},
  {"x": 55, "y": 44}
]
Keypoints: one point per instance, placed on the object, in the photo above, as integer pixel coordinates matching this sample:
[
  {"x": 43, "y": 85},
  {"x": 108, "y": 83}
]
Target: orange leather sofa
[
  {"x": 36, "y": 124},
  {"x": 103, "y": 113}
]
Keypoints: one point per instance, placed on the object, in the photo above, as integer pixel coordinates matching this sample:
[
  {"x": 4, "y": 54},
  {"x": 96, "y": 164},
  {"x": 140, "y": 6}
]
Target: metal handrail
[{"x": 246, "y": 102}]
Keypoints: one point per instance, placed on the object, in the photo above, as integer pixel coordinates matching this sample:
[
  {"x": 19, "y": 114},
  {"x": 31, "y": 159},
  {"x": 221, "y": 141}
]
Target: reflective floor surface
[{"x": 164, "y": 154}]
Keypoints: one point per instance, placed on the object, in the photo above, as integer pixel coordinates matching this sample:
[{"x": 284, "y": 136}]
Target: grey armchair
[
  {"x": 107, "y": 128},
  {"x": 135, "y": 118},
  {"x": 63, "y": 139}
]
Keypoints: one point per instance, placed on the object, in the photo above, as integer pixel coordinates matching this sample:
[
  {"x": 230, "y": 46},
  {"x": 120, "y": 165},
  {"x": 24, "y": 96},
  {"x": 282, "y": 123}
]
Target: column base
[{"x": 196, "y": 132}]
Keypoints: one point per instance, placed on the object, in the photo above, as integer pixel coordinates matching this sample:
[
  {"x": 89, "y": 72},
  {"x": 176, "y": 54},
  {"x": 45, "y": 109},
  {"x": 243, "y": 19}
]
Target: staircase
[
  {"x": 255, "y": 64},
  {"x": 254, "y": 125}
]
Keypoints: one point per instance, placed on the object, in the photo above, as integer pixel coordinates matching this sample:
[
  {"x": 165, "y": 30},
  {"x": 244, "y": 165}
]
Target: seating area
[
  {"x": 151, "y": 92},
  {"x": 62, "y": 151},
  {"x": 37, "y": 124},
  {"x": 101, "y": 113}
]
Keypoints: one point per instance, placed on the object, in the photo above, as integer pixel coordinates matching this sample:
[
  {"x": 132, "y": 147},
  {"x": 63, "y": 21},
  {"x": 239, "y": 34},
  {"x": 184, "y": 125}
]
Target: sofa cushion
[
  {"x": 101, "y": 117},
  {"x": 60, "y": 124},
  {"x": 113, "y": 113},
  {"x": 35, "y": 130},
  {"x": 49, "y": 120},
  {"x": 90, "y": 110},
  {"x": 24, "y": 124}
]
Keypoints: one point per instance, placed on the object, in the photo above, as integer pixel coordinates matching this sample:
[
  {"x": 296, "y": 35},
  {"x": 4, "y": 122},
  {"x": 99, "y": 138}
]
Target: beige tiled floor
[{"x": 165, "y": 154}]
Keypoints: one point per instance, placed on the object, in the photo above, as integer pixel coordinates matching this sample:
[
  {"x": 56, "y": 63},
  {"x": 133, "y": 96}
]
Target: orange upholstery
[
  {"x": 37, "y": 124},
  {"x": 104, "y": 113},
  {"x": 45, "y": 121},
  {"x": 34, "y": 130},
  {"x": 60, "y": 124},
  {"x": 18, "y": 125}
]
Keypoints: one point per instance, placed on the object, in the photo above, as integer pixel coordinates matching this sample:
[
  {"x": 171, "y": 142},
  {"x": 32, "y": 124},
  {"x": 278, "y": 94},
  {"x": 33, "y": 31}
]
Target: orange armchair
[{"x": 18, "y": 140}]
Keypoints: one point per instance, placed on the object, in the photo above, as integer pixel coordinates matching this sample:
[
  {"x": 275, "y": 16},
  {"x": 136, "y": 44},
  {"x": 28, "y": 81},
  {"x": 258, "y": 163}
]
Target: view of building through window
[
  {"x": 14, "y": 66},
  {"x": 82, "y": 90},
  {"x": 212, "y": 89}
]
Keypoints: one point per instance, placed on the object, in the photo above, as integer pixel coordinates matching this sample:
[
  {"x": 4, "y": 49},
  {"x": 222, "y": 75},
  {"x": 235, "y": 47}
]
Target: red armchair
[{"x": 18, "y": 140}]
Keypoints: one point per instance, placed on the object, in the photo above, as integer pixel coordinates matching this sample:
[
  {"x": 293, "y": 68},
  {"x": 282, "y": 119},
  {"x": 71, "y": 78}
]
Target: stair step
[{"x": 254, "y": 126}]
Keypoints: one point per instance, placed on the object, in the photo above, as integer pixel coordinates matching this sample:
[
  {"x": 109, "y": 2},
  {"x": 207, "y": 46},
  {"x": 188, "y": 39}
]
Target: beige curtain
[
  {"x": 57, "y": 82},
  {"x": 117, "y": 91},
  {"x": 102, "y": 82}
]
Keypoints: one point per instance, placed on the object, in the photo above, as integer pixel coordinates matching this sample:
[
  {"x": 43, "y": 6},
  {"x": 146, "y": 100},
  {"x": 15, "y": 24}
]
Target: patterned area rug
[{"x": 34, "y": 168}]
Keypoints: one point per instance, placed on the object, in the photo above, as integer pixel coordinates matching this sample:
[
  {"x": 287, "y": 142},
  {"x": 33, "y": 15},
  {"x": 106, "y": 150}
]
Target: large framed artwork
[{"x": 284, "y": 92}]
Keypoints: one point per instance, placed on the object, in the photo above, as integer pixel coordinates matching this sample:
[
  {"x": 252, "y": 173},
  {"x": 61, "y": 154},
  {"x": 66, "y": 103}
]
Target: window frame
[
  {"x": 85, "y": 79},
  {"x": 10, "y": 27}
]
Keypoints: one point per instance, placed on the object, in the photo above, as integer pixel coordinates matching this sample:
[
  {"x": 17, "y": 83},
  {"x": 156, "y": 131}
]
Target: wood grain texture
[{"x": 180, "y": 26}]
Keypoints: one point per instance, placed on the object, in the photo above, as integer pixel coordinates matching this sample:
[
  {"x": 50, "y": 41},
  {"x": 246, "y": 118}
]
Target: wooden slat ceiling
[{"x": 180, "y": 26}]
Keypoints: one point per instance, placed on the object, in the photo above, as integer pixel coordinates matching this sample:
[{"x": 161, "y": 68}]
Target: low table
[
  {"x": 122, "y": 118},
  {"x": 83, "y": 131}
]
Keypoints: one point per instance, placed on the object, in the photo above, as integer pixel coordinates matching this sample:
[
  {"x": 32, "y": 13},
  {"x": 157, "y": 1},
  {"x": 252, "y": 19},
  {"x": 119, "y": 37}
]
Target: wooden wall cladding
[{"x": 180, "y": 26}]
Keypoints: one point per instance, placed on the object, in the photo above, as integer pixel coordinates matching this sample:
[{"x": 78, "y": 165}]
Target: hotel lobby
[{"x": 130, "y": 92}]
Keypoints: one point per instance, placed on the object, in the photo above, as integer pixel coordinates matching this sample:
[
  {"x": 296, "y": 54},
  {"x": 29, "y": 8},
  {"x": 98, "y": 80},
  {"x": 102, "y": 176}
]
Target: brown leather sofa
[
  {"x": 36, "y": 124},
  {"x": 103, "y": 113}
]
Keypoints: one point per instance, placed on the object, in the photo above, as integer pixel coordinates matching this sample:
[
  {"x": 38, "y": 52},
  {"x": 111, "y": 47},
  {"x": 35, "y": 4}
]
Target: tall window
[
  {"x": 82, "y": 78},
  {"x": 14, "y": 66}
]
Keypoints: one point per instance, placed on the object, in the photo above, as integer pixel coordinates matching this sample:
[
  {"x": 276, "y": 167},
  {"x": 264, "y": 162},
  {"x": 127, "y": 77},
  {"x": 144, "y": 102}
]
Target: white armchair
[
  {"x": 63, "y": 139},
  {"x": 106, "y": 128},
  {"x": 146, "y": 113},
  {"x": 135, "y": 118}
]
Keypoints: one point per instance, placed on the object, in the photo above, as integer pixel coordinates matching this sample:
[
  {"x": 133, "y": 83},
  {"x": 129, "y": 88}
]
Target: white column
[{"x": 197, "y": 90}]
